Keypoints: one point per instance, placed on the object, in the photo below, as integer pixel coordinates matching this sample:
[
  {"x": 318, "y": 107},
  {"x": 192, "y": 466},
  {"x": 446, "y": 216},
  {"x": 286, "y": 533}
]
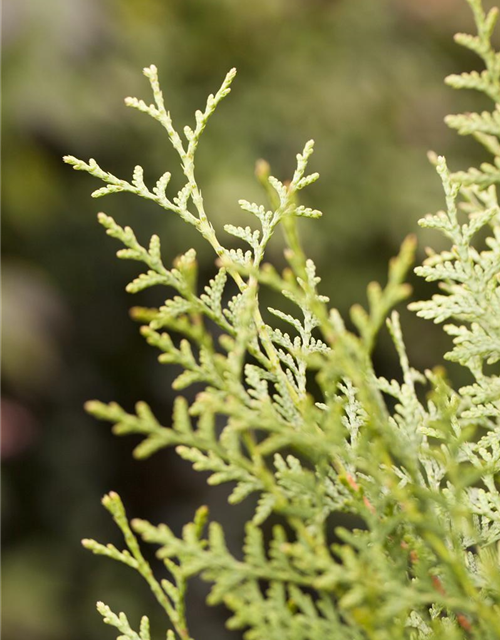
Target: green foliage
[{"x": 415, "y": 460}]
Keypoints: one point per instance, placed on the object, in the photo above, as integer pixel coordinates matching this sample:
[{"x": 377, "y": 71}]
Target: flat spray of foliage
[{"x": 414, "y": 459}]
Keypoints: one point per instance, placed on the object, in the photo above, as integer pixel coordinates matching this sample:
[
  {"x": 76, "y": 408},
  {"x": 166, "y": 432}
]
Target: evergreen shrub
[{"x": 300, "y": 417}]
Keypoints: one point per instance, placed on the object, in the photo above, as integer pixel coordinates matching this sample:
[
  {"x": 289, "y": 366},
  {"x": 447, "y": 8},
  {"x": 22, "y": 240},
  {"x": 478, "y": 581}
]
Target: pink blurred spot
[{"x": 19, "y": 429}]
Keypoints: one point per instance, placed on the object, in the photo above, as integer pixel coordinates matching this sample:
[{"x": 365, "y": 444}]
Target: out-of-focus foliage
[{"x": 363, "y": 78}]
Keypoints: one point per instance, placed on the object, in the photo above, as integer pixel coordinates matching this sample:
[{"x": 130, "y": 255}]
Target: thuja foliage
[{"x": 300, "y": 417}]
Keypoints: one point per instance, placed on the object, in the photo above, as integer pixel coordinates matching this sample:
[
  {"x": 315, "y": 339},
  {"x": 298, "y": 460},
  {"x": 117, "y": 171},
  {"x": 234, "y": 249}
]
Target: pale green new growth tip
[{"x": 293, "y": 410}]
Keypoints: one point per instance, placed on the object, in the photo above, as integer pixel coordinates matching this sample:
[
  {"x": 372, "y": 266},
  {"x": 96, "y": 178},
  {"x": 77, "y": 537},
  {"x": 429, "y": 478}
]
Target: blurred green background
[{"x": 361, "y": 77}]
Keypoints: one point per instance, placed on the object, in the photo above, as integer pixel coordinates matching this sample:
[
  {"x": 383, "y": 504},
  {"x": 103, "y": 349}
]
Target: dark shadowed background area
[{"x": 363, "y": 78}]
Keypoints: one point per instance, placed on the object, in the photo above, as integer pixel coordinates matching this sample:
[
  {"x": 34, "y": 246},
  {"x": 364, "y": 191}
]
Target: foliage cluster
[{"x": 300, "y": 417}]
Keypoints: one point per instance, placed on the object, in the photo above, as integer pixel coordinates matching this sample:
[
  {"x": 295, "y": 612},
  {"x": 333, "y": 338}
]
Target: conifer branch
[{"x": 414, "y": 460}]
